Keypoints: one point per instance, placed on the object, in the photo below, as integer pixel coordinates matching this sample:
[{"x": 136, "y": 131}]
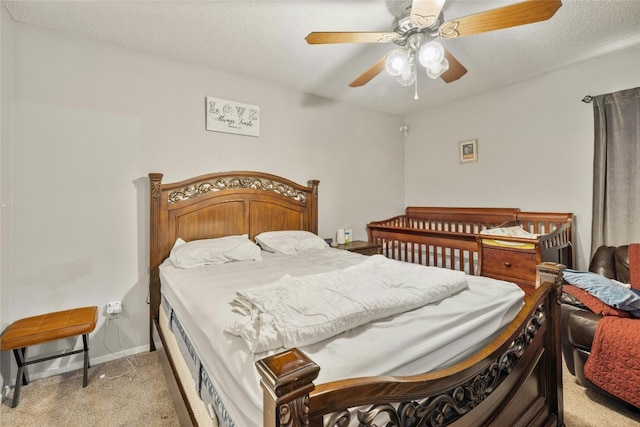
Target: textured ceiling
[{"x": 265, "y": 40}]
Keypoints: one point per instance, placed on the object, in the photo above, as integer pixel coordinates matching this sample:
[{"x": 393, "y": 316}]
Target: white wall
[
  {"x": 6, "y": 126},
  {"x": 535, "y": 144},
  {"x": 91, "y": 121}
]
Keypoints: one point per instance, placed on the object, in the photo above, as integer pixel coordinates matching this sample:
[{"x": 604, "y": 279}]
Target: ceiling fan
[{"x": 416, "y": 28}]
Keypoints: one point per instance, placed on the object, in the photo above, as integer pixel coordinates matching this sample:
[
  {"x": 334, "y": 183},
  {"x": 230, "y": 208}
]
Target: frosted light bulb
[
  {"x": 438, "y": 69},
  {"x": 431, "y": 53},
  {"x": 396, "y": 62},
  {"x": 407, "y": 78}
]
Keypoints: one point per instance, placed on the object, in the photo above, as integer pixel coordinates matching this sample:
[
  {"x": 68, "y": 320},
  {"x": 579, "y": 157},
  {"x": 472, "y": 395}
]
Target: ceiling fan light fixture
[
  {"x": 408, "y": 77},
  {"x": 431, "y": 54},
  {"x": 435, "y": 71},
  {"x": 415, "y": 29},
  {"x": 397, "y": 62}
]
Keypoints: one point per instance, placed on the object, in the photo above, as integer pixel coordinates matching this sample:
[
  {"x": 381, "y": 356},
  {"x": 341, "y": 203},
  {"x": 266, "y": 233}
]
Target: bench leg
[
  {"x": 25, "y": 378},
  {"x": 21, "y": 378},
  {"x": 86, "y": 360}
]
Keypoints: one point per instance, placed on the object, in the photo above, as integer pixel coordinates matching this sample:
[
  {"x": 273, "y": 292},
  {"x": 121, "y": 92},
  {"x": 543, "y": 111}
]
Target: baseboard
[
  {"x": 35, "y": 374},
  {"x": 115, "y": 356}
]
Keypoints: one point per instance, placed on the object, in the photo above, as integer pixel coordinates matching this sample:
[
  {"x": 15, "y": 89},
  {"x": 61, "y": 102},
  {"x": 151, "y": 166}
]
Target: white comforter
[
  {"x": 427, "y": 338},
  {"x": 304, "y": 310}
]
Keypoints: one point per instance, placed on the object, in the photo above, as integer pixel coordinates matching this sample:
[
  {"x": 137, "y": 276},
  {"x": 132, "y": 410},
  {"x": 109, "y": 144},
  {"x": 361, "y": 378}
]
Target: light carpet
[
  {"x": 128, "y": 397},
  {"x": 588, "y": 408}
]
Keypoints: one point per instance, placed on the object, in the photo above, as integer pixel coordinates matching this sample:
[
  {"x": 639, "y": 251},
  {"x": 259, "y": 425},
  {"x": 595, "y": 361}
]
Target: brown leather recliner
[{"x": 579, "y": 323}]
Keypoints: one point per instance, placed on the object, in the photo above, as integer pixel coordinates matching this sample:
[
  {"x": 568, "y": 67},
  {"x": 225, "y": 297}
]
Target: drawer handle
[{"x": 507, "y": 264}]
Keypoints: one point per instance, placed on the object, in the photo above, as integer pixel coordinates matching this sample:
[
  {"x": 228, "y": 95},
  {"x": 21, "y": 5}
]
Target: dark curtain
[{"x": 616, "y": 169}]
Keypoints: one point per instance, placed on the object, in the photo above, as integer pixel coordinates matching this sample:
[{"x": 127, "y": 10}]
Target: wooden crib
[{"x": 453, "y": 238}]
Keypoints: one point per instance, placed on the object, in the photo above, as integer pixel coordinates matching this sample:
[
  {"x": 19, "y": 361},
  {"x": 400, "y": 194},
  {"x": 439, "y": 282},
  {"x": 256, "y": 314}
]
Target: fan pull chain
[{"x": 415, "y": 96}]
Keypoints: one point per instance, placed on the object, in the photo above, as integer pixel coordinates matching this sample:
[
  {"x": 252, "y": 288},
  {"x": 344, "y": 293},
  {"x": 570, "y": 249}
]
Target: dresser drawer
[{"x": 509, "y": 264}]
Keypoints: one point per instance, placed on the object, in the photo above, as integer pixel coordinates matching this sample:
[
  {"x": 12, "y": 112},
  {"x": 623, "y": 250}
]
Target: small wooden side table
[{"x": 362, "y": 247}]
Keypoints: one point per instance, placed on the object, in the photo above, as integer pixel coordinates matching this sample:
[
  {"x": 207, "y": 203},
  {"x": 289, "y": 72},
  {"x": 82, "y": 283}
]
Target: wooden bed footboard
[{"x": 515, "y": 380}]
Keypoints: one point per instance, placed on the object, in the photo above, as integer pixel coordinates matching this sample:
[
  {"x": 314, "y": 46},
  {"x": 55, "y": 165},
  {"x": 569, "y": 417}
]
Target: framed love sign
[{"x": 232, "y": 117}]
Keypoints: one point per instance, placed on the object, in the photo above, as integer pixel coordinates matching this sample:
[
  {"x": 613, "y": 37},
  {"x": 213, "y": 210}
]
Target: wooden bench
[{"x": 35, "y": 330}]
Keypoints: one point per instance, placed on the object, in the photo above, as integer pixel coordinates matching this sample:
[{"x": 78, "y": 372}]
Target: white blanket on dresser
[{"x": 304, "y": 310}]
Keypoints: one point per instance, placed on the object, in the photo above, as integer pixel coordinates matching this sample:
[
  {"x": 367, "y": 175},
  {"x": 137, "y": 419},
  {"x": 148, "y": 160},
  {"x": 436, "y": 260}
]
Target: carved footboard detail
[
  {"x": 294, "y": 413},
  {"x": 514, "y": 380},
  {"x": 444, "y": 408}
]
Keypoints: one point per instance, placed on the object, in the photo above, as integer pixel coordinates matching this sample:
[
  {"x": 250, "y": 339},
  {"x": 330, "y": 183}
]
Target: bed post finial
[
  {"x": 155, "y": 179},
  {"x": 287, "y": 380},
  {"x": 550, "y": 272},
  {"x": 314, "y": 183}
]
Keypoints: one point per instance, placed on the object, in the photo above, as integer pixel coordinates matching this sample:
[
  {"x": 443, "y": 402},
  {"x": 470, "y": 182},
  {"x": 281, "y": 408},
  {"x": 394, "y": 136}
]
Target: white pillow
[
  {"x": 213, "y": 251},
  {"x": 289, "y": 241}
]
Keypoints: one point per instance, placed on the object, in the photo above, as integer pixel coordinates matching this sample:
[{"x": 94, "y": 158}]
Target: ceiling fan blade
[
  {"x": 424, "y": 13},
  {"x": 351, "y": 37},
  {"x": 456, "y": 69},
  {"x": 369, "y": 74},
  {"x": 513, "y": 15}
]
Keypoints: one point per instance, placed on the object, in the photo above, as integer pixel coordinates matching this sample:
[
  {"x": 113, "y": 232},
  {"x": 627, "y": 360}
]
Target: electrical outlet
[{"x": 114, "y": 307}]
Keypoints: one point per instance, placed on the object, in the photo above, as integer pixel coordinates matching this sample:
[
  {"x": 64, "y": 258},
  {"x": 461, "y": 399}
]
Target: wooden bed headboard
[{"x": 223, "y": 204}]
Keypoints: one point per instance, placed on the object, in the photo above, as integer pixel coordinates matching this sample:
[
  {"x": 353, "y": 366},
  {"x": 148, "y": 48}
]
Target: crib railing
[{"x": 449, "y": 237}]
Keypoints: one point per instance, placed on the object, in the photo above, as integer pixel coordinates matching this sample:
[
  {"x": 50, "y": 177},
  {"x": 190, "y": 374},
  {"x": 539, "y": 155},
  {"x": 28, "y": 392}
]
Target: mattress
[{"x": 199, "y": 301}]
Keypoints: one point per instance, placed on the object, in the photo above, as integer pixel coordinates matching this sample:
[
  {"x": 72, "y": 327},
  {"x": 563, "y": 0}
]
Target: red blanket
[
  {"x": 634, "y": 265},
  {"x": 614, "y": 362}
]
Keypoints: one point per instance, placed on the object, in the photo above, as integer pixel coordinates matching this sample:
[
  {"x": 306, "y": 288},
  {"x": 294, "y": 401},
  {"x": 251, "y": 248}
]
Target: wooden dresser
[
  {"x": 510, "y": 264},
  {"x": 515, "y": 258}
]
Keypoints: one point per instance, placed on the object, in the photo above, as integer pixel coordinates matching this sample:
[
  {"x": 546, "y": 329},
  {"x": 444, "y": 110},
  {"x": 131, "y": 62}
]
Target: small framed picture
[{"x": 469, "y": 151}]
